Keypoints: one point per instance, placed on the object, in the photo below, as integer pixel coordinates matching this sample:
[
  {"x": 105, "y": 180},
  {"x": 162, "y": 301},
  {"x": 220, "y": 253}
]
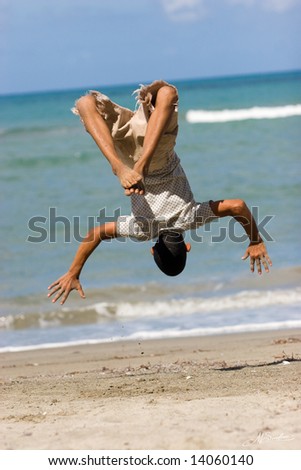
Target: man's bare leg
[
  {"x": 166, "y": 100},
  {"x": 96, "y": 126}
]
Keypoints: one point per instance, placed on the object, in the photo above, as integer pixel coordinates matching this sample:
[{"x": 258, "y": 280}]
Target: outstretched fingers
[
  {"x": 59, "y": 294},
  {"x": 263, "y": 261},
  {"x": 53, "y": 288},
  {"x": 266, "y": 263},
  {"x": 55, "y": 283},
  {"x": 258, "y": 258},
  {"x": 57, "y": 288},
  {"x": 66, "y": 293},
  {"x": 62, "y": 288},
  {"x": 253, "y": 260},
  {"x": 258, "y": 265}
]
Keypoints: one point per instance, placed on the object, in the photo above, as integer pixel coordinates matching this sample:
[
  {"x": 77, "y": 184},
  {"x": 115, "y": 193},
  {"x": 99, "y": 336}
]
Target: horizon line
[{"x": 129, "y": 84}]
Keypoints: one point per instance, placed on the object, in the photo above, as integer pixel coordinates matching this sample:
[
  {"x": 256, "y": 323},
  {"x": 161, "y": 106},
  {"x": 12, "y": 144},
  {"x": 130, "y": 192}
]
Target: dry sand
[{"x": 238, "y": 391}]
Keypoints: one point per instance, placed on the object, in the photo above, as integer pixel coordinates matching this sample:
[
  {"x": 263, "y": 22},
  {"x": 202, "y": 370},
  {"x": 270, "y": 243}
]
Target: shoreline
[
  {"x": 231, "y": 391},
  {"x": 183, "y": 334}
]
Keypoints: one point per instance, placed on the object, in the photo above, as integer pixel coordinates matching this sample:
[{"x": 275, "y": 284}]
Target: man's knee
[
  {"x": 167, "y": 94},
  {"x": 85, "y": 104}
]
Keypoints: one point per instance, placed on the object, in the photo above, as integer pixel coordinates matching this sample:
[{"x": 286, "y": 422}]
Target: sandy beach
[{"x": 238, "y": 391}]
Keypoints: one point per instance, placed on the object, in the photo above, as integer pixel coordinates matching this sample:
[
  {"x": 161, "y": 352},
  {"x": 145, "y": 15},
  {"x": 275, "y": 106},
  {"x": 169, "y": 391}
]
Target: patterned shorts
[{"x": 168, "y": 204}]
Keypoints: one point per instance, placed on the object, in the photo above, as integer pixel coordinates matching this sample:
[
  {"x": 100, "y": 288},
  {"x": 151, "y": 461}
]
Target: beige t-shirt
[
  {"x": 168, "y": 202},
  {"x": 128, "y": 127}
]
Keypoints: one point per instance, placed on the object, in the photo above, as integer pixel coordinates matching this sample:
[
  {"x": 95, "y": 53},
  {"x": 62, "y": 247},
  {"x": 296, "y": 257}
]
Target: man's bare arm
[
  {"x": 239, "y": 210},
  {"x": 70, "y": 281}
]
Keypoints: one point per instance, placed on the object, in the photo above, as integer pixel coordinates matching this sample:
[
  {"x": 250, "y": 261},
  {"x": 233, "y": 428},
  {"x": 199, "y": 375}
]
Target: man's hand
[
  {"x": 258, "y": 254},
  {"x": 63, "y": 286},
  {"x": 137, "y": 188},
  {"x": 130, "y": 179}
]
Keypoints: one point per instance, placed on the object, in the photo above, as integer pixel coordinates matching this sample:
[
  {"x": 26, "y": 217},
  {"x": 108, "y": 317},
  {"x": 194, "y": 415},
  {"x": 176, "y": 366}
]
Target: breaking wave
[
  {"x": 227, "y": 115},
  {"x": 121, "y": 311}
]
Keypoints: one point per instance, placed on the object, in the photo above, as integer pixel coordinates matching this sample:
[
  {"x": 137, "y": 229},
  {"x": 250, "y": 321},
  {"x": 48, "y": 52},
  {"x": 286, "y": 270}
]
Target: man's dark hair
[{"x": 170, "y": 253}]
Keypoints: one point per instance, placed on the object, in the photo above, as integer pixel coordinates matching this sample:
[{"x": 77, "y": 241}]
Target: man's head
[{"x": 170, "y": 253}]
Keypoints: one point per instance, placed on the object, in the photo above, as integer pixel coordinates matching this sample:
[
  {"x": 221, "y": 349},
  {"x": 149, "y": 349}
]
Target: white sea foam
[
  {"x": 227, "y": 115},
  {"x": 248, "y": 299},
  {"x": 106, "y": 311},
  {"x": 208, "y": 331},
  {"x": 165, "y": 333}
]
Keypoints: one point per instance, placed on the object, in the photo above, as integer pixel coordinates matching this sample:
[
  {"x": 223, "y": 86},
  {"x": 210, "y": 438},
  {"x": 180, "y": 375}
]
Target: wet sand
[{"x": 238, "y": 391}]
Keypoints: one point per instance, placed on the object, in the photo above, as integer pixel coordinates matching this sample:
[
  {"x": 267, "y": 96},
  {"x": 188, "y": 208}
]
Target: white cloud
[
  {"x": 184, "y": 10},
  {"x": 281, "y": 5},
  {"x": 272, "y": 5},
  {"x": 194, "y": 10}
]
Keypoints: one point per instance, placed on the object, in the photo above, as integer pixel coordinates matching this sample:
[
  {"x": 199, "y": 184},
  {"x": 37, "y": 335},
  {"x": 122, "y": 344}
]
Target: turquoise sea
[{"x": 239, "y": 137}]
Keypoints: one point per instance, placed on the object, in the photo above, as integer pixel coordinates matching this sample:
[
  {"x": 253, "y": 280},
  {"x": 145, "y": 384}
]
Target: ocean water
[{"x": 239, "y": 137}]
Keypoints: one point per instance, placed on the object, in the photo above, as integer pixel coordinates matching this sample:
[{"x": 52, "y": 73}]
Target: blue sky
[{"x": 62, "y": 44}]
